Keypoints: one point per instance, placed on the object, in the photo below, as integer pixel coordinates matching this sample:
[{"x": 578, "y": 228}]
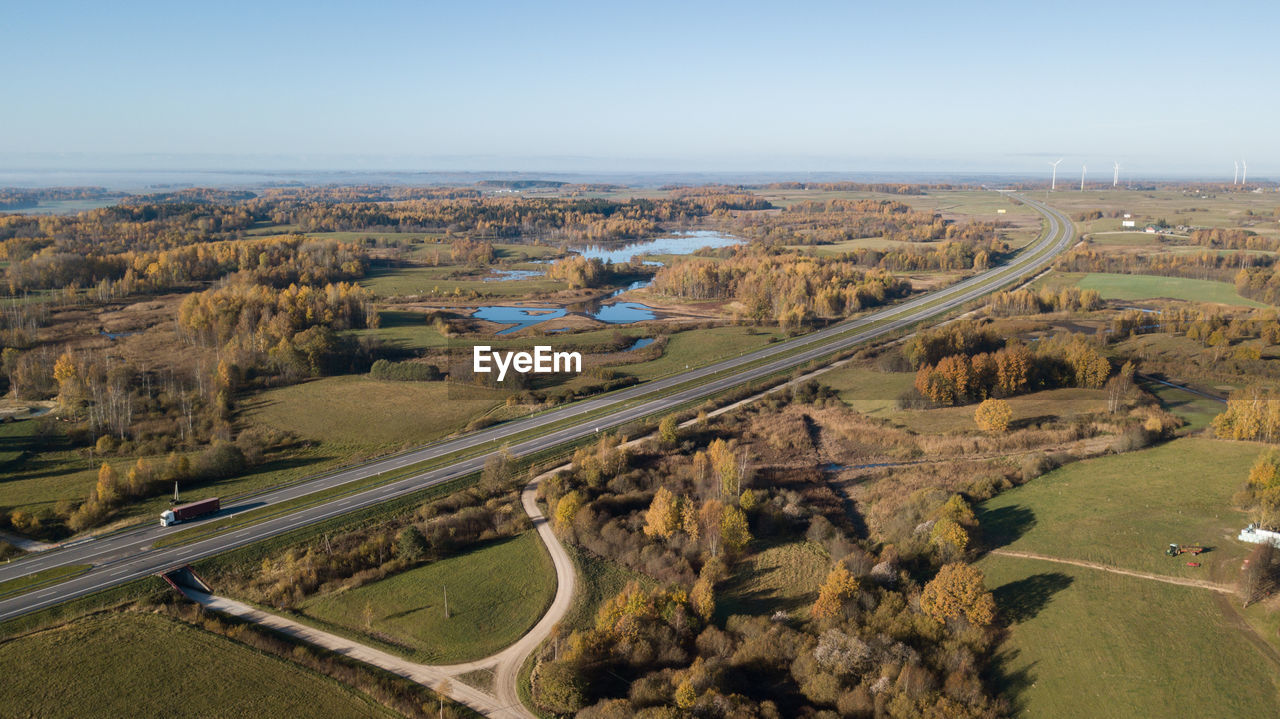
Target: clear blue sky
[{"x": 1161, "y": 87}]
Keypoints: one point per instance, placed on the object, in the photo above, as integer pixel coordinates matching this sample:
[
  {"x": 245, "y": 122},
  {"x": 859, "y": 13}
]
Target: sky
[{"x": 1163, "y": 88}]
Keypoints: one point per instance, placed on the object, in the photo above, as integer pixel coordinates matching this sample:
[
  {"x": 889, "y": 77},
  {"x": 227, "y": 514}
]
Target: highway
[{"x": 129, "y": 555}]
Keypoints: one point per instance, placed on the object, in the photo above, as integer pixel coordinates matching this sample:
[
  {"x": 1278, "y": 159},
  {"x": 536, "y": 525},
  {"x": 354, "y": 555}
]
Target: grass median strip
[{"x": 39, "y": 579}]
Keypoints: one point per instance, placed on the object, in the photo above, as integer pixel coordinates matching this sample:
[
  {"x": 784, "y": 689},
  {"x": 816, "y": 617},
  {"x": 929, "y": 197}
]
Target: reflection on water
[
  {"x": 682, "y": 243},
  {"x": 622, "y": 313},
  {"x": 505, "y": 275},
  {"x": 614, "y": 313},
  {"x": 642, "y": 342},
  {"x": 521, "y": 317}
]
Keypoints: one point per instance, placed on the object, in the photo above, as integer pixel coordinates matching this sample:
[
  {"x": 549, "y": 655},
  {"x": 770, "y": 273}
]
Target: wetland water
[{"x": 614, "y": 313}]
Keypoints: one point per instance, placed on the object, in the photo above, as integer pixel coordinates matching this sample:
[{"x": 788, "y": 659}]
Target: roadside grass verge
[{"x": 495, "y": 594}]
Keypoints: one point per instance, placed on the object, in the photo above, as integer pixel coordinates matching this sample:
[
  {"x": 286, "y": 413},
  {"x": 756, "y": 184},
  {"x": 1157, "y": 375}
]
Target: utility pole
[{"x": 446, "y": 601}]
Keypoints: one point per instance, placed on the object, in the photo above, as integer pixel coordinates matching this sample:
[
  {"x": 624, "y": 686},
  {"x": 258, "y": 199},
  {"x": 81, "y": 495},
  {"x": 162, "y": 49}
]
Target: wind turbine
[
  {"x": 1053, "y": 184},
  {"x": 1082, "y": 171},
  {"x": 1115, "y": 178},
  {"x": 1235, "y": 179},
  {"x": 1244, "y": 172}
]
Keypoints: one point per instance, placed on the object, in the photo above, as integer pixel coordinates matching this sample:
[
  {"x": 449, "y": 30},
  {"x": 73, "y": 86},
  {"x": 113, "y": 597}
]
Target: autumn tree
[
  {"x": 567, "y": 508},
  {"x": 724, "y": 461},
  {"x": 1252, "y": 413},
  {"x": 668, "y": 430},
  {"x": 663, "y": 517},
  {"x": 734, "y": 531},
  {"x": 993, "y": 415},
  {"x": 1120, "y": 388},
  {"x": 107, "y": 490},
  {"x": 958, "y": 591},
  {"x": 839, "y": 587},
  {"x": 703, "y": 598}
]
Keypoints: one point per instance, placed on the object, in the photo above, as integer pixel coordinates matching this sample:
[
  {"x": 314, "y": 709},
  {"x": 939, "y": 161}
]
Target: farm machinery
[{"x": 1175, "y": 550}]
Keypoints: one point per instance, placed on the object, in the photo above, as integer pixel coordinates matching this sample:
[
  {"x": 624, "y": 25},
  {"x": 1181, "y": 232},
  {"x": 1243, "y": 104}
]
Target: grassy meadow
[
  {"x": 1084, "y": 643},
  {"x": 359, "y": 413},
  {"x": 1124, "y": 510}
]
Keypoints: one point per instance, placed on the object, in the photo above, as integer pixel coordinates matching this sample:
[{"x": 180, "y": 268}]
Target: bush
[
  {"x": 221, "y": 459},
  {"x": 404, "y": 371}
]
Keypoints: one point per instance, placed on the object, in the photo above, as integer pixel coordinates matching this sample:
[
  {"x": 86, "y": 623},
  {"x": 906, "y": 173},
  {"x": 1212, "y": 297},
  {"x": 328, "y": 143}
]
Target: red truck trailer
[{"x": 184, "y": 512}]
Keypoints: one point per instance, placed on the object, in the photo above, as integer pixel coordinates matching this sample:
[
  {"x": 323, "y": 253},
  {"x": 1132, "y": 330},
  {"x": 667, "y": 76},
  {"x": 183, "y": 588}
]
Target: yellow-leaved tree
[
  {"x": 839, "y": 587},
  {"x": 993, "y": 415},
  {"x": 958, "y": 591},
  {"x": 663, "y": 517}
]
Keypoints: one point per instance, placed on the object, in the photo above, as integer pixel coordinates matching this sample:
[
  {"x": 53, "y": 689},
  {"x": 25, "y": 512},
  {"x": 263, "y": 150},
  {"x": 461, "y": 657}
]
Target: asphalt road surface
[{"x": 129, "y": 555}]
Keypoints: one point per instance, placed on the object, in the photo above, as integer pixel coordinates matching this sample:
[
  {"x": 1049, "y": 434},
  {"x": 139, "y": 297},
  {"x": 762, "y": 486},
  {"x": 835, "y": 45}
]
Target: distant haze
[{"x": 1167, "y": 89}]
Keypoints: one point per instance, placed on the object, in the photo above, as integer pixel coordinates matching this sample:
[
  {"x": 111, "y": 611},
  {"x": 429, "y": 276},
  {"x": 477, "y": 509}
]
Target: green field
[
  {"x": 496, "y": 594},
  {"x": 36, "y": 473},
  {"x": 1146, "y": 287},
  {"x": 875, "y": 394},
  {"x": 1084, "y": 643},
  {"x": 1124, "y": 510},
  {"x": 358, "y": 413},
  {"x": 136, "y": 665}
]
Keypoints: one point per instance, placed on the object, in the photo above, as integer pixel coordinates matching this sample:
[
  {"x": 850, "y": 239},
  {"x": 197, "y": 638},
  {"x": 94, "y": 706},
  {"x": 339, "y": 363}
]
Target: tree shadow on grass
[
  {"x": 1004, "y": 525},
  {"x": 1024, "y": 599},
  {"x": 1010, "y": 682}
]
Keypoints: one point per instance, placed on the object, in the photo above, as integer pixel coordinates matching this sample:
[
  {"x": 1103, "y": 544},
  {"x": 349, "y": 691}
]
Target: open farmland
[{"x": 142, "y": 665}]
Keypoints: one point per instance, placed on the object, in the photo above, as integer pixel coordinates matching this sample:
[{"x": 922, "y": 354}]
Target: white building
[
  {"x": 1126, "y": 223},
  {"x": 1254, "y": 535}
]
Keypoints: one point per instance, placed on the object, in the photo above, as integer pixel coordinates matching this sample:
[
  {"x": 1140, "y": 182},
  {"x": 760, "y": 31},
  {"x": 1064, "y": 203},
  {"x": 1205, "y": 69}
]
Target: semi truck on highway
[{"x": 185, "y": 512}]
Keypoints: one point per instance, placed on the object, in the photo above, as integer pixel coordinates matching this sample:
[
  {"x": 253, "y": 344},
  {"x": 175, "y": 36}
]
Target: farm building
[
  {"x": 1255, "y": 535},
  {"x": 1126, "y": 223}
]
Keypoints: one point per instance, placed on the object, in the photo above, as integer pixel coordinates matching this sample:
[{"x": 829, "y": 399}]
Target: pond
[
  {"x": 614, "y": 313},
  {"x": 681, "y": 243},
  {"x": 642, "y": 342},
  {"x": 521, "y": 317},
  {"x": 507, "y": 275}
]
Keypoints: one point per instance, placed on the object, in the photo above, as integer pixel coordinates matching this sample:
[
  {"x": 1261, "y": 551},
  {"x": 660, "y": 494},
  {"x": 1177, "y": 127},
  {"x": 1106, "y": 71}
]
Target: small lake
[
  {"x": 642, "y": 342},
  {"x": 507, "y": 275},
  {"x": 614, "y": 313},
  {"x": 681, "y": 243}
]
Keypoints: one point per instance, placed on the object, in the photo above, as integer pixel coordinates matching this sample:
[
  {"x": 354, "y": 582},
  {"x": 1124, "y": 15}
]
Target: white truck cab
[{"x": 167, "y": 518}]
